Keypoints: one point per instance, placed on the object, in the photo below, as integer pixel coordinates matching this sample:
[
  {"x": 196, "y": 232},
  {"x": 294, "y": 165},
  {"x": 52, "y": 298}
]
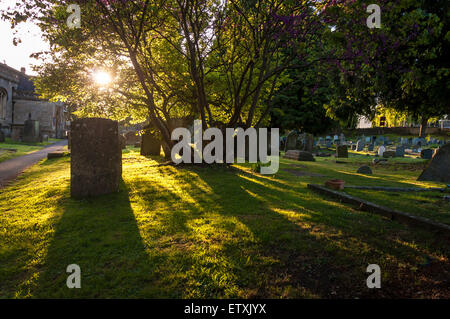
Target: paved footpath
[{"x": 11, "y": 168}]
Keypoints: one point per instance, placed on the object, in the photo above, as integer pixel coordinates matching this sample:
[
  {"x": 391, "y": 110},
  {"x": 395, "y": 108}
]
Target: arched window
[{"x": 3, "y": 101}]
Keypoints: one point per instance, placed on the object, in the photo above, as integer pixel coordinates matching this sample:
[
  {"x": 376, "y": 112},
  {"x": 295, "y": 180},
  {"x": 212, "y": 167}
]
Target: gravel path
[{"x": 11, "y": 168}]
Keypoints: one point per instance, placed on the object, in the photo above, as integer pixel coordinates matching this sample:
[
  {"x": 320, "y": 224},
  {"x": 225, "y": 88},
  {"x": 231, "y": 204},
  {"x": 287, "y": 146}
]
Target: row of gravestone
[
  {"x": 297, "y": 141},
  {"x": 29, "y": 133}
]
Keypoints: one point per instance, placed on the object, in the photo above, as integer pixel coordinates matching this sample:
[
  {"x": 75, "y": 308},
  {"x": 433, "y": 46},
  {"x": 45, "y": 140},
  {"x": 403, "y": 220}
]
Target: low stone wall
[{"x": 398, "y": 130}]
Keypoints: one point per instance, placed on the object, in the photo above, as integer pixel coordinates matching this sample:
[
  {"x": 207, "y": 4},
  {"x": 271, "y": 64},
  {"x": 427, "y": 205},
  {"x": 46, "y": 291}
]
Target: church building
[{"x": 19, "y": 102}]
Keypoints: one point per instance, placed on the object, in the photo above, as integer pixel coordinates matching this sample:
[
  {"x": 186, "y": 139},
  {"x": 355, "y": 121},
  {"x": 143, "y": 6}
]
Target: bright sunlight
[{"x": 102, "y": 78}]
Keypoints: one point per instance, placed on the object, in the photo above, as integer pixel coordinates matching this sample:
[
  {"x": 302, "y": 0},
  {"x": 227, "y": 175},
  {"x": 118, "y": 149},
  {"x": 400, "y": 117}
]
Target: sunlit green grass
[
  {"x": 210, "y": 233},
  {"x": 21, "y": 148}
]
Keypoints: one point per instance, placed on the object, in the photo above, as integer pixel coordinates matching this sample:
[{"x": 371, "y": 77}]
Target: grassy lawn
[
  {"x": 213, "y": 233},
  {"x": 21, "y": 148}
]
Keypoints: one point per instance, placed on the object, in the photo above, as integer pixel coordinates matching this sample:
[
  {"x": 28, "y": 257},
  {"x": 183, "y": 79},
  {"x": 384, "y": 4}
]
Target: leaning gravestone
[
  {"x": 342, "y": 151},
  {"x": 96, "y": 158},
  {"x": 291, "y": 141},
  {"x": 438, "y": 168},
  {"x": 426, "y": 153},
  {"x": 150, "y": 145}
]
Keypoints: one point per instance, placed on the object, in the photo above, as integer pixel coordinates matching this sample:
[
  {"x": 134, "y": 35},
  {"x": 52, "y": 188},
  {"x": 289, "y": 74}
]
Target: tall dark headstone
[
  {"x": 308, "y": 143},
  {"x": 2, "y": 136},
  {"x": 291, "y": 141},
  {"x": 31, "y": 131},
  {"x": 96, "y": 157},
  {"x": 342, "y": 151}
]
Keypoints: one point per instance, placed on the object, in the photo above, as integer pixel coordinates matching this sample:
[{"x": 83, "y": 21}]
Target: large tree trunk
[{"x": 423, "y": 127}]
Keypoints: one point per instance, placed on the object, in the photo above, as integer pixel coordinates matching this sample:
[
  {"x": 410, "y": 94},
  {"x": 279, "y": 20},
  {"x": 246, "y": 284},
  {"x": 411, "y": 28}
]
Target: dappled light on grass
[{"x": 203, "y": 233}]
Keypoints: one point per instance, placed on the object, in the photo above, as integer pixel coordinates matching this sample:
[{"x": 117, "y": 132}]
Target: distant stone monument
[
  {"x": 122, "y": 142},
  {"x": 438, "y": 168},
  {"x": 96, "y": 157},
  {"x": 291, "y": 141},
  {"x": 359, "y": 146},
  {"x": 381, "y": 150},
  {"x": 299, "y": 155},
  {"x": 132, "y": 138},
  {"x": 342, "y": 151},
  {"x": 308, "y": 142},
  {"x": 150, "y": 145},
  {"x": 370, "y": 147},
  {"x": 387, "y": 154},
  {"x": 31, "y": 131}
]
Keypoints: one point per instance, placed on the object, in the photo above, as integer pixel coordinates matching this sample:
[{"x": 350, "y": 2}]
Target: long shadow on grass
[
  {"x": 324, "y": 253},
  {"x": 101, "y": 236}
]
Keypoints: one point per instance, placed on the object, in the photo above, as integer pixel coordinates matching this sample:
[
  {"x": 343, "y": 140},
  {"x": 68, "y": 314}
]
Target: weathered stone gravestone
[
  {"x": 342, "y": 151},
  {"x": 381, "y": 150},
  {"x": 31, "y": 131},
  {"x": 299, "y": 155},
  {"x": 132, "y": 138},
  {"x": 438, "y": 168},
  {"x": 329, "y": 144},
  {"x": 370, "y": 147},
  {"x": 387, "y": 154},
  {"x": 308, "y": 142},
  {"x": 96, "y": 157},
  {"x": 359, "y": 146},
  {"x": 150, "y": 145},
  {"x": 291, "y": 141},
  {"x": 2, "y": 136},
  {"x": 364, "y": 170},
  {"x": 122, "y": 142},
  {"x": 399, "y": 151},
  {"x": 426, "y": 153}
]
